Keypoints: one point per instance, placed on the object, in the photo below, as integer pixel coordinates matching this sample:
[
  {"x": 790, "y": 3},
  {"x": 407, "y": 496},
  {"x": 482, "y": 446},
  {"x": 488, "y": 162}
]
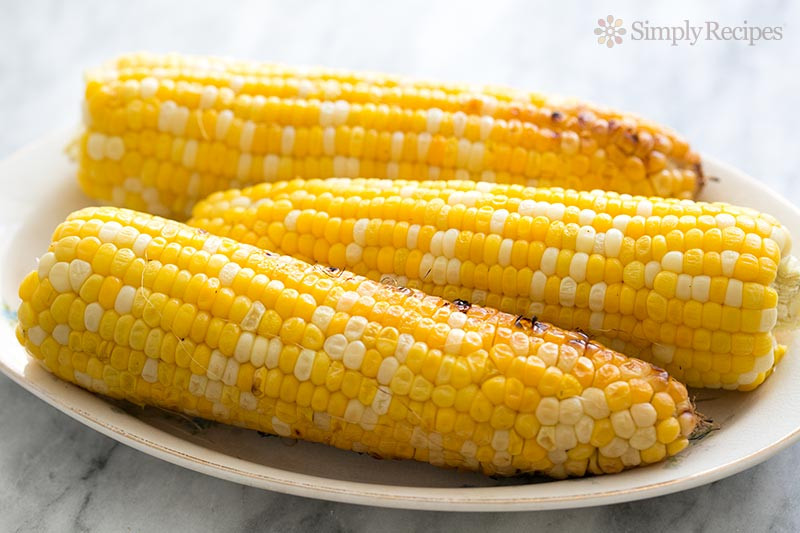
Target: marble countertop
[{"x": 737, "y": 102}]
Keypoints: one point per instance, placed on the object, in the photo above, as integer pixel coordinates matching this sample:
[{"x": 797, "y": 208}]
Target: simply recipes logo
[{"x": 610, "y": 31}]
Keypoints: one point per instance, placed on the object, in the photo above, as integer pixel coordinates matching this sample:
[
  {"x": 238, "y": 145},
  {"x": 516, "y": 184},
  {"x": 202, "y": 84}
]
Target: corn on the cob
[
  {"x": 163, "y": 131},
  {"x": 137, "y": 307},
  {"x": 693, "y": 287}
]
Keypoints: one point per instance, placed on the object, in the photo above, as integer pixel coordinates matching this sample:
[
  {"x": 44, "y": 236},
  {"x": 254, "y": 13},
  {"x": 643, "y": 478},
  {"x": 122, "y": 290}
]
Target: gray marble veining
[{"x": 737, "y": 102}]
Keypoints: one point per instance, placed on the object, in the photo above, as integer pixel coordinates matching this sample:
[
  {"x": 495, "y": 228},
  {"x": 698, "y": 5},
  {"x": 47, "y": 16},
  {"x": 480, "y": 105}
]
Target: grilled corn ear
[
  {"x": 696, "y": 288},
  {"x": 138, "y": 307},
  {"x": 163, "y": 131}
]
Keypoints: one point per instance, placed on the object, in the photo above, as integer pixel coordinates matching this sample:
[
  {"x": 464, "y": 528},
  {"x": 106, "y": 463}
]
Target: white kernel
[
  {"x": 216, "y": 365},
  {"x": 570, "y": 411},
  {"x": 500, "y": 440},
  {"x": 615, "y": 448},
  {"x": 208, "y": 97},
  {"x": 244, "y": 347},
  {"x": 546, "y": 438},
  {"x": 253, "y": 316},
  {"x": 246, "y": 139},
  {"x": 92, "y": 315},
  {"x": 565, "y": 437},
  {"x": 109, "y": 231},
  {"x": 504, "y": 253},
  {"x": 150, "y": 375},
  {"x": 486, "y": 125},
  {"x": 769, "y": 317},
  {"x": 124, "y": 302},
  {"x": 725, "y": 220},
  {"x": 643, "y": 438},
  {"x": 644, "y": 208},
  {"x": 258, "y": 354},
  {"x": 643, "y": 414},
  {"x": 781, "y": 238},
  {"x": 584, "y": 243},
  {"x": 701, "y": 286},
  {"x": 498, "y": 221},
  {"x": 360, "y": 231},
  {"x": 140, "y": 244},
  {"x": 280, "y": 427},
  {"x": 613, "y": 242},
  {"x": 538, "y": 282},
  {"x": 567, "y": 358},
  {"x": 96, "y": 146},
  {"x": 341, "y": 109},
  {"x": 404, "y": 343},
  {"x": 631, "y": 457},
  {"x": 594, "y": 403},
  {"x": 577, "y": 269},
  {"x": 304, "y": 364},
  {"x": 114, "y": 148},
  {"x": 651, "y": 270},
  {"x": 567, "y": 292},
  {"x": 79, "y": 270},
  {"x": 248, "y": 401},
  {"x": 274, "y": 348},
  {"x": 335, "y": 346},
  {"x": 434, "y": 119},
  {"x": 584, "y": 428},
  {"x": 287, "y": 140},
  {"x": 46, "y": 262},
  {"x": 547, "y": 411},
  {"x": 453, "y": 272},
  {"x": 387, "y": 370},
  {"x": 353, "y": 355},
  {"x": 61, "y": 334},
  {"x": 549, "y": 261},
  {"x": 165, "y": 114},
  {"x": 672, "y": 262},
  {"x": 729, "y": 258},
  {"x": 227, "y": 273},
  {"x": 548, "y": 353},
  {"x": 354, "y": 411},
  {"x": 178, "y": 120},
  {"x": 438, "y": 271},
  {"x": 459, "y": 123},
  {"x": 733, "y": 294},
  {"x": 556, "y": 211},
  {"x": 748, "y": 378},
  {"x": 454, "y": 341},
  {"x": 37, "y": 335},
  {"x": 623, "y": 425},
  {"x": 148, "y": 87},
  {"x": 224, "y": 120},
  {"x": 355, "y": 327},
  {"x": 59, "y": 277},
  {"x": 663, "y": 353},
  {"x": 597, "y": 296},
  {"x": 231, "y": 373},
  {"x": 346, "y": 301},
  {"x": 621, "y": 222}
]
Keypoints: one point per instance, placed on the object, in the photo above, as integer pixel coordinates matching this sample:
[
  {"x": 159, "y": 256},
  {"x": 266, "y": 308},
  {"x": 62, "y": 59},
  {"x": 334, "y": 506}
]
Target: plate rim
[{"x": 359, "y": 492}]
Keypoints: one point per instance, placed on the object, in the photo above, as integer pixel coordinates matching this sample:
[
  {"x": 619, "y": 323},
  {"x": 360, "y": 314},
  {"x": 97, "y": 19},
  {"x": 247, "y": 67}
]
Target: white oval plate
[{"x": 38, "y": 189}]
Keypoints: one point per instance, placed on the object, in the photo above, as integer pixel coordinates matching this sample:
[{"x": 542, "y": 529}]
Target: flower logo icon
[{"x": 609, "y": 31}]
